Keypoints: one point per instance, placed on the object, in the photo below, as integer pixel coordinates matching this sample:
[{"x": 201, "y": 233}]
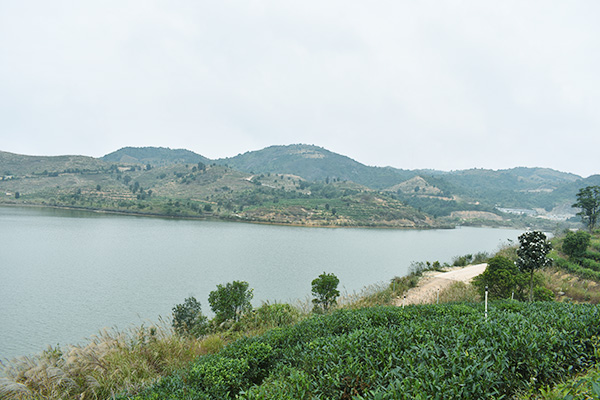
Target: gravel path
[{"x": 426, "y": 291}]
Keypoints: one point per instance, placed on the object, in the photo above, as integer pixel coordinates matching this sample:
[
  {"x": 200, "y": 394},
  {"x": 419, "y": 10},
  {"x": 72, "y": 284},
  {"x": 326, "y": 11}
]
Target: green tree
[
  {"x": 500, "y": 276},
  {"x": 588, "y": 200},
  {"x": 576, "y": 243},
  {"x": 229, "y": 302},
  {"x": 532, "y": 252},
  {"x": 188, "y": 318},
  {"x": 324, "y": 289}
]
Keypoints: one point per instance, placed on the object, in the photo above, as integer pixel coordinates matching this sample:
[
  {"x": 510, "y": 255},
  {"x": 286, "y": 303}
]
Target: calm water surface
[{"x": 64, "y": 275}]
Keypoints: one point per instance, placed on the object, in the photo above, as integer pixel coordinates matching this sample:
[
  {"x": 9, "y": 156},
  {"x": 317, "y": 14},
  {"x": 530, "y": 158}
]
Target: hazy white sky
[{"x": 406, "y": 83}]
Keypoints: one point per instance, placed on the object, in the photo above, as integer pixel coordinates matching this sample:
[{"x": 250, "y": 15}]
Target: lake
[{"x": 64, "y": 275}]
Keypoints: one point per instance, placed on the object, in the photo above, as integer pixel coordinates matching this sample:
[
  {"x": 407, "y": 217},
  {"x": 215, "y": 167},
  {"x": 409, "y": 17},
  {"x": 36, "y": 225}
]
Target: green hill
[
  {"x": 315, "y": 163},
  {"x": 156, "y": 156},
  {"x": 158, "y": 185},
  {"x": 285, "y": 184},
  {"x": 17, "y": 164}
]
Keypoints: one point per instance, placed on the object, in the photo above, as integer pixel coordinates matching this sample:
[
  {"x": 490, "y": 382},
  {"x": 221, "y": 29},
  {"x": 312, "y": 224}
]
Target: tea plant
[{"x": 419, "y": 352}]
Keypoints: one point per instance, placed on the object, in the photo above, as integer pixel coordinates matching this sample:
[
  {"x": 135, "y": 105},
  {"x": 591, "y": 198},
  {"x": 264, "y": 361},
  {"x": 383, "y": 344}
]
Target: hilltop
[
  {"x": 157, "y": 156},
  {"x": 315, "y": 163}
]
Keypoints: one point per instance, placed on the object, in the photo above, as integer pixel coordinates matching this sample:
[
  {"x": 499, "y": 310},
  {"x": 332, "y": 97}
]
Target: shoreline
[{"x": 216, "y": 218}]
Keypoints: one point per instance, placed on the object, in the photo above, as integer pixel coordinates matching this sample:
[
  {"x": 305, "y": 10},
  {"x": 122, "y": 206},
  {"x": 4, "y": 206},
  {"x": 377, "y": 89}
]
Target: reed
[{"x": 110, "y": 363}]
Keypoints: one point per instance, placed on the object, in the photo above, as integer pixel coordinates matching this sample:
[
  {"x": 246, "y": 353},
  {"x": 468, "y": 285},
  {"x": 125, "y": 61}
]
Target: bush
[
  {"x": 575, "y": 244},
  {"x": 188, "y": 318},
  {"x": 500, "y": 276},
  {"x": 543, "y": 294},
  {"x": 270, "y": 316},
  {"x": 229, "y": 302},
  {"x": 324, "y": 288}
]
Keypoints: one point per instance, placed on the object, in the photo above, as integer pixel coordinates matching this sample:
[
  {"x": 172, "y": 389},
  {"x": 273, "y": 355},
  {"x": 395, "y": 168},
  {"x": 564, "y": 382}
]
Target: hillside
[
  {"x": 158, "y": 156},
  {"x": 315, "y": 163},
  {"x": 16, "y": 164},
  {"x": 197, "y": 190},
  {"x": 281, "y": 184}
]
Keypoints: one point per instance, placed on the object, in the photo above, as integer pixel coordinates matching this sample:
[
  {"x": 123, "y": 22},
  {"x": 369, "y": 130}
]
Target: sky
[{"x": 445, "y": 85}]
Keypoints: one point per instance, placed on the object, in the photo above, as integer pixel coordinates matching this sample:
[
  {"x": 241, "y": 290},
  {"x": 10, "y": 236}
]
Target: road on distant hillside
[{"x": 427, "y": 289}]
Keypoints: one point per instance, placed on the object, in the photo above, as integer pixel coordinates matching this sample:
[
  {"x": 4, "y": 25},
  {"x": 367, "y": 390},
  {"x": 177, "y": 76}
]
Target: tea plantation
[{"x": 418, "y": 352}]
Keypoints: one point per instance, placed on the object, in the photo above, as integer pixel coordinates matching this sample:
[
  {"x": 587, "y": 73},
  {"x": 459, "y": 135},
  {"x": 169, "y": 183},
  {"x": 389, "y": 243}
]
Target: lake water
[{"x": 64, "y": 274}]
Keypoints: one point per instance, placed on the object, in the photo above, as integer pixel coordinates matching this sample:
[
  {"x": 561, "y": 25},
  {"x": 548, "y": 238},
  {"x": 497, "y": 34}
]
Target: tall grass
[{"x": 110, "y": 363}]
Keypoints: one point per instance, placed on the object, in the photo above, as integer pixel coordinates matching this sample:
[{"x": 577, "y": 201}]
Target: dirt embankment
[{"x": 432, "y": 281}]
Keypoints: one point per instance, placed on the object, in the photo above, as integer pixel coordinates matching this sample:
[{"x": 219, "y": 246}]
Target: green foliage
[
  {"x": 419, "y": 352},
  {"x": 229, "y": 302},
  {"x": 584, "y": 263},
  {"x": 463, "y": 261},
  {"x": 588, "y": 200},
  {"x": 576, "y": 269},
  {"x": 500, "y": 276},
  {"x": 188, "y": 318},
  {"x": 532, "y": 252},
  {"x": 575, "y": 244},
  {"x": 270, "y": 316},
  {"x": 541, "y": 293},
  {"x": 324, "y": 289}
]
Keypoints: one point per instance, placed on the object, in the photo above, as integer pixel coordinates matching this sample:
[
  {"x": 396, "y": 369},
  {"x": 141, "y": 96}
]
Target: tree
[
  {"x": 324, "y": 288},
  {"x": 188, "y": 318},
  {"x": 588, "y": 200},
  {"x": 532, "y": 255},
  {"x": 229, "y": 302},
  {"x": 576, "y": 243},
  {"x": 500, "y": 276}
]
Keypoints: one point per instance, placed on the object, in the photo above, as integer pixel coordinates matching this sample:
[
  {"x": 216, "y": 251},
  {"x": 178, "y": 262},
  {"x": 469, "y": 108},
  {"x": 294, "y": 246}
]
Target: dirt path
[{"x": 429, "y": 285}]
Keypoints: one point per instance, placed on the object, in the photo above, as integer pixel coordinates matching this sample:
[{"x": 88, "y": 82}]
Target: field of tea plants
[{"x": 418, "y": 352}]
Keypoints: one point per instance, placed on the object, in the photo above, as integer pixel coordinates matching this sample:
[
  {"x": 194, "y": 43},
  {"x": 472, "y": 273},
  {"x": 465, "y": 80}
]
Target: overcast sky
[{"x": 410, "y": 84}]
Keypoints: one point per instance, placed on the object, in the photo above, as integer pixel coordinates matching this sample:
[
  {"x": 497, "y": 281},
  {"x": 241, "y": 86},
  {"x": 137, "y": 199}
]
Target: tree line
[{"x": 230, "y": 301}]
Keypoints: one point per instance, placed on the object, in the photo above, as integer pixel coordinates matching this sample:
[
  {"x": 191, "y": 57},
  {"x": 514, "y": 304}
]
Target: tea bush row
[
  {"x": 576, "y": 269},
  {"x": 419, "y": 352}
]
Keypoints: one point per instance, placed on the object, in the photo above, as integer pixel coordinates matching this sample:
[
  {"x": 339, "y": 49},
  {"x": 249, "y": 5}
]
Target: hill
[
  {"x": 157, "y": 156},
  {"x": 281, "y": 184},
  {"x": 196, "y": 190},
  {"x": 315, "y": 163},
  {"x": 16, "y": 164}
]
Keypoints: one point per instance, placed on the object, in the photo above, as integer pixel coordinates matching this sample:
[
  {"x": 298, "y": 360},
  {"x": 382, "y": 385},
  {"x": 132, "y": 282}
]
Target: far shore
[{"x": 215, "y": 218}]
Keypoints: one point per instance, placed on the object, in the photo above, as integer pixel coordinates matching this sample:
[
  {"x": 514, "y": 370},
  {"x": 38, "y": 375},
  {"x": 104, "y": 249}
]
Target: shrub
[
  {"x": 324, "y": 289},
  {"x": 188, "y": 318},
  {"x": 229, "y": 302},
  {"x": 270, "y": 316},
  {"x": 500, "y": 276},
  {"x": 542, "y": 294},
  {"x": 575, "y": 244}
]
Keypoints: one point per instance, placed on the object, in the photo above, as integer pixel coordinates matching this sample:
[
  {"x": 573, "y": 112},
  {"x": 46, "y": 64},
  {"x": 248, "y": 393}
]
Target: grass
[{"x": 110, "y": 363}]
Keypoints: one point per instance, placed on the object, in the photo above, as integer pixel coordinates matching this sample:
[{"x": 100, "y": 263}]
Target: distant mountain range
[{"x": 435, "y": 193}]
